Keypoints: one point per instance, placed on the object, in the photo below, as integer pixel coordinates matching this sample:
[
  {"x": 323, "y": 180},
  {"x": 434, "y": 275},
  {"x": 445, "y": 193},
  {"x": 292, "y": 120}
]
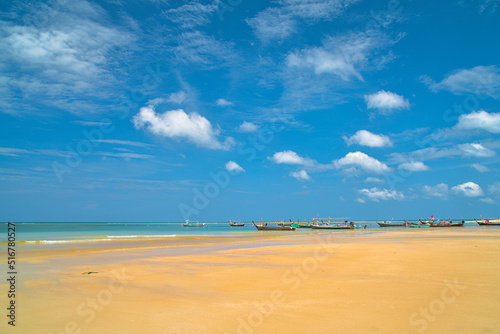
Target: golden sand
[{"x": 398, "y": 281}]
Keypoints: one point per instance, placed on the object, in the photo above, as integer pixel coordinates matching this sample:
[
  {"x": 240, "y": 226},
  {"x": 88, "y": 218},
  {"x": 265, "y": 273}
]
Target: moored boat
[
  {"x": 329, "y": 226},
  {"x": 231, "y": 223},
  {"x": 457, "y": 224},
  {"x": 444, "y": 223},
  {"x": 489, "y": 222},
  {"x": 390, "y": 224},
  {"x": 193, "y": 224},
  {"x": 305, "y": 225},
  {"x": 264, "y": 227}
]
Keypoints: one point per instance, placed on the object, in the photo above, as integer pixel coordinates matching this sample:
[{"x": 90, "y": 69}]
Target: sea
[{"x": 66, "y": 232}]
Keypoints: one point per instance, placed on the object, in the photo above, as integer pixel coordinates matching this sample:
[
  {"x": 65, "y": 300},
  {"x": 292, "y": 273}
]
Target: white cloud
[
  {"x": 178, "y": 97},
  {"x": 177, "y": 124},
  {"x": 196, "y": 47},
  {"x": 374, "y": 180},
  {"x": 439, "y": 191},
  {"x": 479, "y": 120},
  {"x": 272, "y": 24},
  {"x": 123, "y": 142},
  {"x": 359, "y": 160},
  {"x": 191, "y": 14},
  {"x": 280, "y": 22},
  {"x": 366, "y": 138},
  {"x": 67, "y": 64},
  {"x": 344, "y": 56},
  {"x": 494, "y": 188},
  {"x": 248, "y": 127},
  {"x": 223, "y": 103},
  {"x": 377, "y": 194},
  {"x": 232, "y": 166},
  {"x": 290, "y": 158},
  {"x": 301, "y": 175},
  {"x": 414, "y": 166},
  {"x": 480, "y": 168},
  {"x": 487, "y": 200},
  {"x": 484, "y": 80},
  {"x": 476, "y": 150},
  {"x": 386, "y": 102},
  {"x": 126, "y": 155},
  {"x": 468, "y": 189}
]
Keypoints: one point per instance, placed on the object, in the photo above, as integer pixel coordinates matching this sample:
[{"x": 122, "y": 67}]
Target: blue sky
[{"x": 236, "y": 109}]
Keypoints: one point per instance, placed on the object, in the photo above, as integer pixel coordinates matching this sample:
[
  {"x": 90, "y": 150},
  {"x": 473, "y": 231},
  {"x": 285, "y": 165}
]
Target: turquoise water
[{"x": 68, "y": 232}]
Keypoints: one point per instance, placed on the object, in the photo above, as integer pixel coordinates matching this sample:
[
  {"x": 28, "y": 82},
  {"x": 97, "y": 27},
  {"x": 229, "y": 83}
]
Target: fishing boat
[
  {"x": 193, "y": 224},
  {"x": 391, "y": 224},
  {"x": 329, "y": 226},
  {"x": 305, "y": 225},
  {"x": 457, "y": 224},
  {"x": 264, "y": 227},
  {"x": 444, "y": 223},
  {"x": 231, "y": 223},
  {"x": 489, "y": 222},
  {"x": 418, "y": 225}
]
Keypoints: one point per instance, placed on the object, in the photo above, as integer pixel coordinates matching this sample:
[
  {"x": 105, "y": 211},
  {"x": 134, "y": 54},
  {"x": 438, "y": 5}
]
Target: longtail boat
[
  {"x": 193, "y": 224},
  {"x": 231, "y": 223},
  {"x": 390, "y": 224},
  {"x": 328, "y": 226},
  {"x": 273, "y": 228},
  {"x": 457, "y": 224},
  {"x": 489, "y": 222},
  {"x": 418, "y": 225},
  {"x": 306, "y": 225},
  {"x": 441, "y": 224}
]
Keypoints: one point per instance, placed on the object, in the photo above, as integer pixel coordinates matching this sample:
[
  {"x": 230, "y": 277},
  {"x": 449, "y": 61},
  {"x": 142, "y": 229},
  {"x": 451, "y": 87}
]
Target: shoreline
[{"x": 377, "y": 282}]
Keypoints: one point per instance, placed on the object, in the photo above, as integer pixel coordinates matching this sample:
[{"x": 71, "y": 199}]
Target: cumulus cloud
[
  {"x": 476, "y": 150},
  {"x": 438, "y": 191},
  {"x": 224, "y": 103},
  {"x": 290, "y": 158},
  {"x": 301, "y": 175},
  {"x": 376, "y": 194},
  {"x": 479, "y": 120},
  {"x": 355, "y": 161},
  {"x": 484, "y": 80},
  {"x": 178, "y": 125},
  {"x": 468, "y": 189},
  {"x": 233, "y": 167},
  {"x": 367, "y": 138},
  {"x": 414, "y": 166},
  {"x": 386, "y": 103},
  {"x": 248, "y": 127}
]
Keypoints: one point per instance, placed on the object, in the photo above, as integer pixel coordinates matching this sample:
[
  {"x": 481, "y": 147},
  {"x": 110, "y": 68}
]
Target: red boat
[
  {"x": 273, "y": 228},
  {"x": 489, "y": 222}
]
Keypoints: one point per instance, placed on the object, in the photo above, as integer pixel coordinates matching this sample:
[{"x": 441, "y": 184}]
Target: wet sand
[{"x": 394, "y": 281}]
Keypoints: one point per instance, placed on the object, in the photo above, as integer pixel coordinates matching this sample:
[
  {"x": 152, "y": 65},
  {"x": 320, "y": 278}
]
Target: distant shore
[{"x": 395, "y": 281}]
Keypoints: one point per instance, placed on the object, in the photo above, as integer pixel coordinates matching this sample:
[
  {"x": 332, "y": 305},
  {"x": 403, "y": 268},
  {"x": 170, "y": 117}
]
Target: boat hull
[
  {"x": 275, "y": 228},
  {"x": 237, "y": 225},
  {"x": 419, "y": 226},
  {"x": 323, "y": 227},
  {"x": 390, "y": 225}
]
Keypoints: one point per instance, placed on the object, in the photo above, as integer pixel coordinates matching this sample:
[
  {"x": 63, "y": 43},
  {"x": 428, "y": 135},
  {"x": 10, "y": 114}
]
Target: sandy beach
[{"x": 395, "y": 281}]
